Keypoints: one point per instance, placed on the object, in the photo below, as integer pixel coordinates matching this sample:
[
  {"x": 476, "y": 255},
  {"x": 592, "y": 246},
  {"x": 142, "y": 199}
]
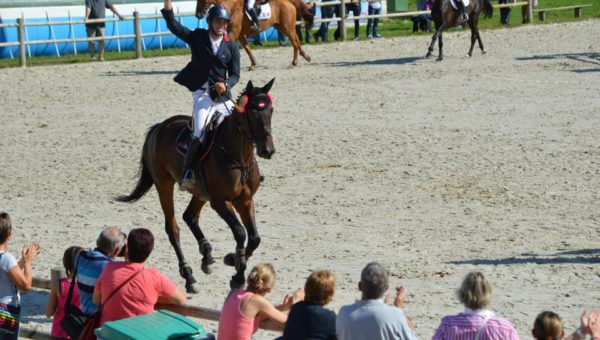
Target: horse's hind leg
[
  {"x": 441, "y": 46},
  {"x": 246, "y": 211},
  {"x": 238, "y": 260},
  {"x": 246, "y": 47},
  {"x": 473, "y": 36},
  {"x": 479, "y": 40},
  {"x": 165, "y": 194},
  {"x": 191, "y": 217}
]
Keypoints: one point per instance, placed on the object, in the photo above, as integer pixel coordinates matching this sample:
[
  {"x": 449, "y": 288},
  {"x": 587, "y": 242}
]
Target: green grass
[{"x": 388, "y": 28}]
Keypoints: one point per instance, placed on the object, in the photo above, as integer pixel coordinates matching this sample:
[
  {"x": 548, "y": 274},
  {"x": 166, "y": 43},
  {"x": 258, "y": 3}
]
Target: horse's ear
[
  {"x": 267, "y": 87},
  {"x": 249, "y": 87}
]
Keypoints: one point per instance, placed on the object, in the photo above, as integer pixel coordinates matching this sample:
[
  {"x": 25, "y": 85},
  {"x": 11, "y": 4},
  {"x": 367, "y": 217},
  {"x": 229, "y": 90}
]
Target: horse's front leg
[
  {"x": 246, "y": 210},
  {"x": 473, "y": 36},
  {"x": 246, "y": 47},
  {"x": 191, "y": 217},
  {"x": 165, "y": 195},
  {"x": 437, "y": 33},
  {"x": 238, "y": 260},
  {"x": 441, "y": 46}
]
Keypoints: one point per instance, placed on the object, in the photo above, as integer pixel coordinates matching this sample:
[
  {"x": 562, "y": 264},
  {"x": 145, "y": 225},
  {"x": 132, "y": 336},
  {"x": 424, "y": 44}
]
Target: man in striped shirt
[{"x": 90, "y": 264}]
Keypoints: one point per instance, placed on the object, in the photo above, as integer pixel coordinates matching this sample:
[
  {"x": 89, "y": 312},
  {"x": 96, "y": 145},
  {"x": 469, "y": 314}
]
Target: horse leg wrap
[
  {"x": 186, "y": 272},
  {"x": 206, "y": 251},
  {"x": 240, "y": 260}
]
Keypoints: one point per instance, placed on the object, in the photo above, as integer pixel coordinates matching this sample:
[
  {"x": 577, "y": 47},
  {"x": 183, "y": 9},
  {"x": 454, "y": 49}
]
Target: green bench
[{"x": 542, "y": 11}]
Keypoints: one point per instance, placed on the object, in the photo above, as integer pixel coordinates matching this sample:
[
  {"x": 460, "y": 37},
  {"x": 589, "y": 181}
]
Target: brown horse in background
[
  {"x": 445, "y": 16},
  {"x": 283, "y": 18},
  {"x": 227, "y": 176}
]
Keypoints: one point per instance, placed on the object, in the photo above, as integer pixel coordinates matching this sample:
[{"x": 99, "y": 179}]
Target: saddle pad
[
  {"x": 453, "y": 2},
  {"x": 265, "y": 12},
  {"x": 185, "y": 135}
]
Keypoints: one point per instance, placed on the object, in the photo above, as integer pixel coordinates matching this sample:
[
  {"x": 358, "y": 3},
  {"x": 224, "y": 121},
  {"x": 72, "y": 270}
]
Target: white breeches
[
  {"x": 250, "y": 3},
  {"x": 204, "y": 108}
]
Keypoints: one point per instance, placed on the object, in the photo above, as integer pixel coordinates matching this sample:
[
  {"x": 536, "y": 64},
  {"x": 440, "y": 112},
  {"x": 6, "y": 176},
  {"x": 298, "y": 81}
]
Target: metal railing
[{"x": 23, "y": 42}]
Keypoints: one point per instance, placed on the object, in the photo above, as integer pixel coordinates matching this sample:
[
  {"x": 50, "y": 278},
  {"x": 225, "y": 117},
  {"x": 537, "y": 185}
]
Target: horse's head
[
  {"x": 202, "y": 7},
  {"x": 255, "y": 107}
]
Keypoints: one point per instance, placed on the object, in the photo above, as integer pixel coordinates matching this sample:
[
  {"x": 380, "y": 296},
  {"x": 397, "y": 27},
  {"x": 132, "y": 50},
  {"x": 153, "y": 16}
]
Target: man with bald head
[
  {"x": 371, "y": 317},
  {"x": 90, "y": 264}
]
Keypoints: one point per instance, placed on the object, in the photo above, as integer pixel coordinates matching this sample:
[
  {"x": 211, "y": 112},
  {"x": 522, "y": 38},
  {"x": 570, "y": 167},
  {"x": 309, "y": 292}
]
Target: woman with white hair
[{"x": 477, "y": 321}]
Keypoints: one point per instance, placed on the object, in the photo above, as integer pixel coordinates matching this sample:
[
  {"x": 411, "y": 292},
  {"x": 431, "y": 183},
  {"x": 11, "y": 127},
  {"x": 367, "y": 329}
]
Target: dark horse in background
[
  {"x": 284, "y": 14},
  {"x": 227, "y": 176},
  {"x": 445, "y": 16}
]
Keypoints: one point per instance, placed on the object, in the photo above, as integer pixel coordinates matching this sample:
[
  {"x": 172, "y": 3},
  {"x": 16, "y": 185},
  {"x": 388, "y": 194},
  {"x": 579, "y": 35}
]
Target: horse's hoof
[
  {"x": 440, "y": 59},
  {"x": 206, "y": 268},
  {"x": 482, "y": 52},
  {"x": 468, "y": 56},
  {"x": 192, "y": 288},
  {"x": 307, "y": 58},
  {"x": 427, "y": 55},
  {"x": 252, "y": 68},
  {"x": 291, "y": 66},
  {"x": 229, "y": 260}
]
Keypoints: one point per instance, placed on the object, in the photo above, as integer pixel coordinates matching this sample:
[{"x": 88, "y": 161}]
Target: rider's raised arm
[
  {"x": 233, "y": 68},
  {"x": 173, "y": 25}
]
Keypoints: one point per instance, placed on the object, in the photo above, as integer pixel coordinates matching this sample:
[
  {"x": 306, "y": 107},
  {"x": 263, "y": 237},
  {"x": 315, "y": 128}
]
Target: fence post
[
  {"x": 343, "y": 21},
  {"x": 21, "y": 37},
  {"x": 138, "y": 35},
  {"x": 530, "y": 11}
]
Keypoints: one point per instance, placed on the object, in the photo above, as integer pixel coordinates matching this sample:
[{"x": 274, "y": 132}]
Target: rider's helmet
[{"x": 218, "y": 12}]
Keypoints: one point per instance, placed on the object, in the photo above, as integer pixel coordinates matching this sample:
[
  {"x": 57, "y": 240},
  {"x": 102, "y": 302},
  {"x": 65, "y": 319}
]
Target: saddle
[{"x": 185, "y": 135}]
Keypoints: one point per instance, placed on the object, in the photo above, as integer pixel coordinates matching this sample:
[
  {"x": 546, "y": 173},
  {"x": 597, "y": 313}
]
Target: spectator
[
  {"x": 326, "y": 13},
  {"x": 134, "y": 289},
  {"x": 90, "y": 264},
  {"x": 592, "y": 324},
  {"x": 299, "y": 33},
  {"x": 96, "y": 9},
  {"x": 244, "y": 309},
  {"x": 547, "y": 326},
  {"x": 505, "y": 12},
  {"x": 374, "y": 9},
  {"x": 371, "y": 318},
  {"x": 477, "y": 321},
  {"x": 14, "y": 276},
  {"x": 423, "y": 21},
  {"x": 534, "y": 3},
  {"x": 308, "y": 319},
  {"x": 353, "y": 6},
  {"x": 60, "y": 291}
]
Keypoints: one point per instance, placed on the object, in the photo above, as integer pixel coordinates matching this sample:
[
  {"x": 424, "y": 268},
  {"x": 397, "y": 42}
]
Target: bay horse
[
  {"x": 284, "y": 14},
  {"x": 445, "y": 16},
  {"x": 227, "y": 176}
]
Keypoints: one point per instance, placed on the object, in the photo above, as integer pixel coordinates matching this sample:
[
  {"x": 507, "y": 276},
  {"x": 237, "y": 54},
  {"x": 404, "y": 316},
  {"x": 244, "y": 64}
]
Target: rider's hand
[{"x": 220, "y": 88}]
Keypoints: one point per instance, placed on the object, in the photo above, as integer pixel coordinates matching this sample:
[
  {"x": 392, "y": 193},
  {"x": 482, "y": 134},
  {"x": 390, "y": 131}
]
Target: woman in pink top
[
  {"x": 477, "y": 322},
  {"x": 245, "y": 309},
  {"x": 146, "y": 286},
  {"x": 58, "y": 294}
]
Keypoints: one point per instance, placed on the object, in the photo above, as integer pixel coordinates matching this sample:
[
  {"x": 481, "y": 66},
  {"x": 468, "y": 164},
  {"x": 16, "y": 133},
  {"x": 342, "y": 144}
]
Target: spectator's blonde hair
[
  {"x": 475, "y": 292},
  {"x": 547, "y": 326},
  {"x": 261, "y": 278},
  {"x": 320, "y": 287}
]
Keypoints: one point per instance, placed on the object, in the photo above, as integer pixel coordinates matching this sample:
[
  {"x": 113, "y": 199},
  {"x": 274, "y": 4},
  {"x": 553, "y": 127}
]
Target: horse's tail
[
  {"x": 145, "y": 180},
  {"x": 306, "y": 11},
  {"x": 488, "y": 9}
]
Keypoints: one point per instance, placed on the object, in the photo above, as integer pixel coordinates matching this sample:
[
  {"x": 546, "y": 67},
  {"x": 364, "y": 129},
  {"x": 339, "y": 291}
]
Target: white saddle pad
[
  {"x": 453, "y": 2},
  {"x": 265, "y": 12}
]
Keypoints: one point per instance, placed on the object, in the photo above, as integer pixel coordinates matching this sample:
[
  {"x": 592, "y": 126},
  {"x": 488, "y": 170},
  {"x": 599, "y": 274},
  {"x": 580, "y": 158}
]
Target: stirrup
[{"x": 255, "y": 26}]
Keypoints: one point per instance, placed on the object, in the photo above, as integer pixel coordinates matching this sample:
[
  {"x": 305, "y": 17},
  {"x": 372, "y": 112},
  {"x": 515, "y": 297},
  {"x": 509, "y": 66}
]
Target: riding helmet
[{"x": 218, "y": 12}]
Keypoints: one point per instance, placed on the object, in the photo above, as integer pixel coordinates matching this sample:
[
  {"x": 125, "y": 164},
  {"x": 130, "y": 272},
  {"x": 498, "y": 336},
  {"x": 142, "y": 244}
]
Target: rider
[
  {"x": 210, "y": 75},
  {"x": 250, "y": 8},
  {"x": 462, "y": 12}
]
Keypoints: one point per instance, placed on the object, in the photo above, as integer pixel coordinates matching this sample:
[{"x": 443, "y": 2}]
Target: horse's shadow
[
  {"x": 137, "y": 73},
  {"x": 582, "y": 256},
  {"x": 392, "y": 61},
  {"x": 592, "y": 58}
]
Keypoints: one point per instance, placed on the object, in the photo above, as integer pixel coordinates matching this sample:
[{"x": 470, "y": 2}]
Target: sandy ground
[{"x": 434, "y": 169}]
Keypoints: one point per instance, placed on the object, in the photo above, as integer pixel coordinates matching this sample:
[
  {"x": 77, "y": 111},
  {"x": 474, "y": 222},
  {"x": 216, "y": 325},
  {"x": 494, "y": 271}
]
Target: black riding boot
[
  {"x": 462, "y": 11},
  {"x": 254, "y": 16},
  {"x": 187, "y": 179}
]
